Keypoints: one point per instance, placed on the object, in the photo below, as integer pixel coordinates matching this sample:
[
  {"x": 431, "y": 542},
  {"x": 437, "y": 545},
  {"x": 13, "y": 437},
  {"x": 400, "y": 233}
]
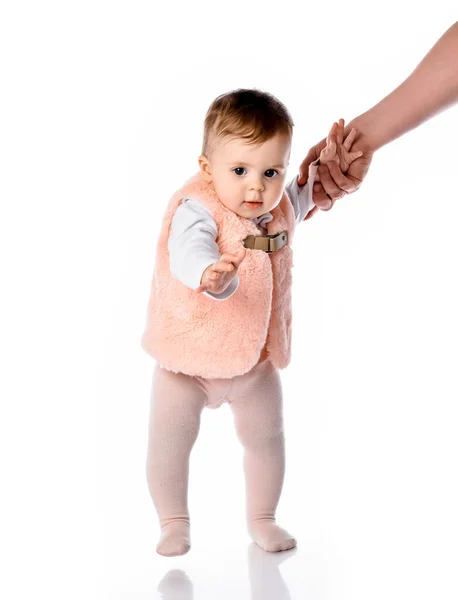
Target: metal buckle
[
  {"x": 267, "y": 243},
  {"x": 277, "y": 241}
]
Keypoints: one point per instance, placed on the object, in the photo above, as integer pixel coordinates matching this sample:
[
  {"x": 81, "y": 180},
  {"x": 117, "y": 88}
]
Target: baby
[{"x": 219, "y": 314}]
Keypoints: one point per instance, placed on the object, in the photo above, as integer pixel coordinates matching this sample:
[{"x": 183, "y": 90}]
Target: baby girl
[{"x": 219, "y": 313}]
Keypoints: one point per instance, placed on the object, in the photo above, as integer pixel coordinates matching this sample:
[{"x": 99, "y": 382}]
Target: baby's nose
[{"x": 256, "y": 186}]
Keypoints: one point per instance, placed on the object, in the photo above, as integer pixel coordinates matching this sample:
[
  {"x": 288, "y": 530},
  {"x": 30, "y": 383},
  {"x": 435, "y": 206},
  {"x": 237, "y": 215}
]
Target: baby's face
[{"x": 249, "y": 180}]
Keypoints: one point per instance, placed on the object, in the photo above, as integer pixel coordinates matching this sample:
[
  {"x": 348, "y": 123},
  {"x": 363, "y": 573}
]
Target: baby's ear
[{"x": 205, "y": 168}]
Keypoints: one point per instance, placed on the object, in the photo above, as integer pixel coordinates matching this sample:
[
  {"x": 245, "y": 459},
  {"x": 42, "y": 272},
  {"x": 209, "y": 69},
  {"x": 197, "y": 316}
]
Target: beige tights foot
[
  {"x": 175, "y": 539},
  {"x": 270, "y": 537}
]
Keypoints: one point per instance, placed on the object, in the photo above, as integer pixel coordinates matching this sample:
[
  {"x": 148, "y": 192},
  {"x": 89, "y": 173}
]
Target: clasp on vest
[{"x": 268, "y": 243}]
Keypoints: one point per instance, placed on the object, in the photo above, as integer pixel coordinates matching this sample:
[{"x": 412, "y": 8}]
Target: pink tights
[{"x": 177, "y": 403}]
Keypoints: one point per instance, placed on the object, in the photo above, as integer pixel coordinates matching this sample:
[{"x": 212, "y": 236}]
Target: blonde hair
[{"x": 249, "y": 114}]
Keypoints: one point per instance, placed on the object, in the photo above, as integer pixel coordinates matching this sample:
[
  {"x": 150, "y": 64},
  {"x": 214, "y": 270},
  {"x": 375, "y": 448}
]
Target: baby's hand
[
  {"x": 218, "y": 276},
  {"x": 337, "y": 149}
]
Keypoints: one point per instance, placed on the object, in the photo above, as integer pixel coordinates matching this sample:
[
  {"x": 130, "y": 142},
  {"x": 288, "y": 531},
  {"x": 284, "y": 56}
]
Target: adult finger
[
  {"x": 352, "y": 156},
  {"x": 333, "y": 191},
  {"x": 340, "y": 131},
  {"x": 350, "y": 139},
  {"x": 344, "y": 182},
  {"x": 320, "y": 198}
]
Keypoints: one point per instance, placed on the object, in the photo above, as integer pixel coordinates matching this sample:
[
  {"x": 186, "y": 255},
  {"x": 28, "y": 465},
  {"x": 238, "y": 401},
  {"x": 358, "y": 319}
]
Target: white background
[{"x": 101, "y": 112}]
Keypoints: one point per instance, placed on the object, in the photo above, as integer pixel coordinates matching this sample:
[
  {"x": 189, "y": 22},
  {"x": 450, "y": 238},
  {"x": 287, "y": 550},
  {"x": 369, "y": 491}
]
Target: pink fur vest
[{"x": 190, "y": 333}]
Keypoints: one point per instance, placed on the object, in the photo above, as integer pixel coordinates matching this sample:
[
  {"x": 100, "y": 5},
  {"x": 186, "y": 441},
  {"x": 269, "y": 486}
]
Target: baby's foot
[
  {"x": 271, "y": 537},
  {"x": 175, "y": 539}
]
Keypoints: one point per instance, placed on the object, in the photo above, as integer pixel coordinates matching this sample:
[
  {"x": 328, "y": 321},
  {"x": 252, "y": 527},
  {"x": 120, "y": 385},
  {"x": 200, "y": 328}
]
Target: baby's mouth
[{"x": 253, "y": 205}]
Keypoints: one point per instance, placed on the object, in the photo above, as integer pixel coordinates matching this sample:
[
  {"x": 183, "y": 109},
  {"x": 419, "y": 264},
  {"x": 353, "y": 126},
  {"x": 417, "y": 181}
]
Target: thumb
[
  {"x": 239, "y": 257},
  {"x": 241, "y": 254},
  {"x": 354, "y": 155},
  {"x": 200, "y": 289},
  {"x": 311, "y": 213}
]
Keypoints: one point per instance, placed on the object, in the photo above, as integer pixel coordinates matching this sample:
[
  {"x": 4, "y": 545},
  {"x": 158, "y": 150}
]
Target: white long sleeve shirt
[{"x": 192, "y": 246}]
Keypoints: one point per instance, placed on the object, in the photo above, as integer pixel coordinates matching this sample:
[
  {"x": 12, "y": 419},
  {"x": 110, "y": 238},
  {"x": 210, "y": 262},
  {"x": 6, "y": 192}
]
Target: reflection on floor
[{"x": 266, "y": 581}]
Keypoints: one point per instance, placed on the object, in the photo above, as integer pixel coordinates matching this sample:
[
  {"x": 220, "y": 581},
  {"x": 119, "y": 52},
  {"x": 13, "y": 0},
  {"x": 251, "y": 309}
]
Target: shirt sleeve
[
  {"x": 192, "y": 246},
  {"x": 302, "y": 196}
]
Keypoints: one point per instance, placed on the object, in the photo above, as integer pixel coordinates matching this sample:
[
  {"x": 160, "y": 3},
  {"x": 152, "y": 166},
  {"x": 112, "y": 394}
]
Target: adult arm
[{"x": 430, "y": 88}]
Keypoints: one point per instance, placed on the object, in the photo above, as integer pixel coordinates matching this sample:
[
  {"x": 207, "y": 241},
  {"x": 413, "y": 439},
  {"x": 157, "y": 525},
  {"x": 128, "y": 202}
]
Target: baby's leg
[
  {"x": 176, "y": 405},
  {"x": 257, "y": 407}
]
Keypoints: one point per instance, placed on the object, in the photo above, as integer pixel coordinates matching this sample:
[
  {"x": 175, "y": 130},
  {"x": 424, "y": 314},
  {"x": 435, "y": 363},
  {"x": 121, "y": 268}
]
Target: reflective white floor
[
  {"x": 227, "y": 571},
  {"x": 372, "y": 502}
]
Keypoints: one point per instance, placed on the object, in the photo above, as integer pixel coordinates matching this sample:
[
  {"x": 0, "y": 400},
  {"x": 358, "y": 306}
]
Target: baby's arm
[
  {"x": 193, "y": 249},
  {"x": 301, "y": 197}
]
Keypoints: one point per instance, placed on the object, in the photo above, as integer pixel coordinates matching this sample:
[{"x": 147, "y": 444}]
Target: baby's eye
[
  {"x": 238, "y": 169},
  {"x": 272, "y": 173}
]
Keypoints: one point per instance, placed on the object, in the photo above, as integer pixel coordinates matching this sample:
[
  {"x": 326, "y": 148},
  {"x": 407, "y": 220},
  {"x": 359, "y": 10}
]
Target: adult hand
[
  {"x": 339, "y": 147},
  {"x": 331, "y": 184}
]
